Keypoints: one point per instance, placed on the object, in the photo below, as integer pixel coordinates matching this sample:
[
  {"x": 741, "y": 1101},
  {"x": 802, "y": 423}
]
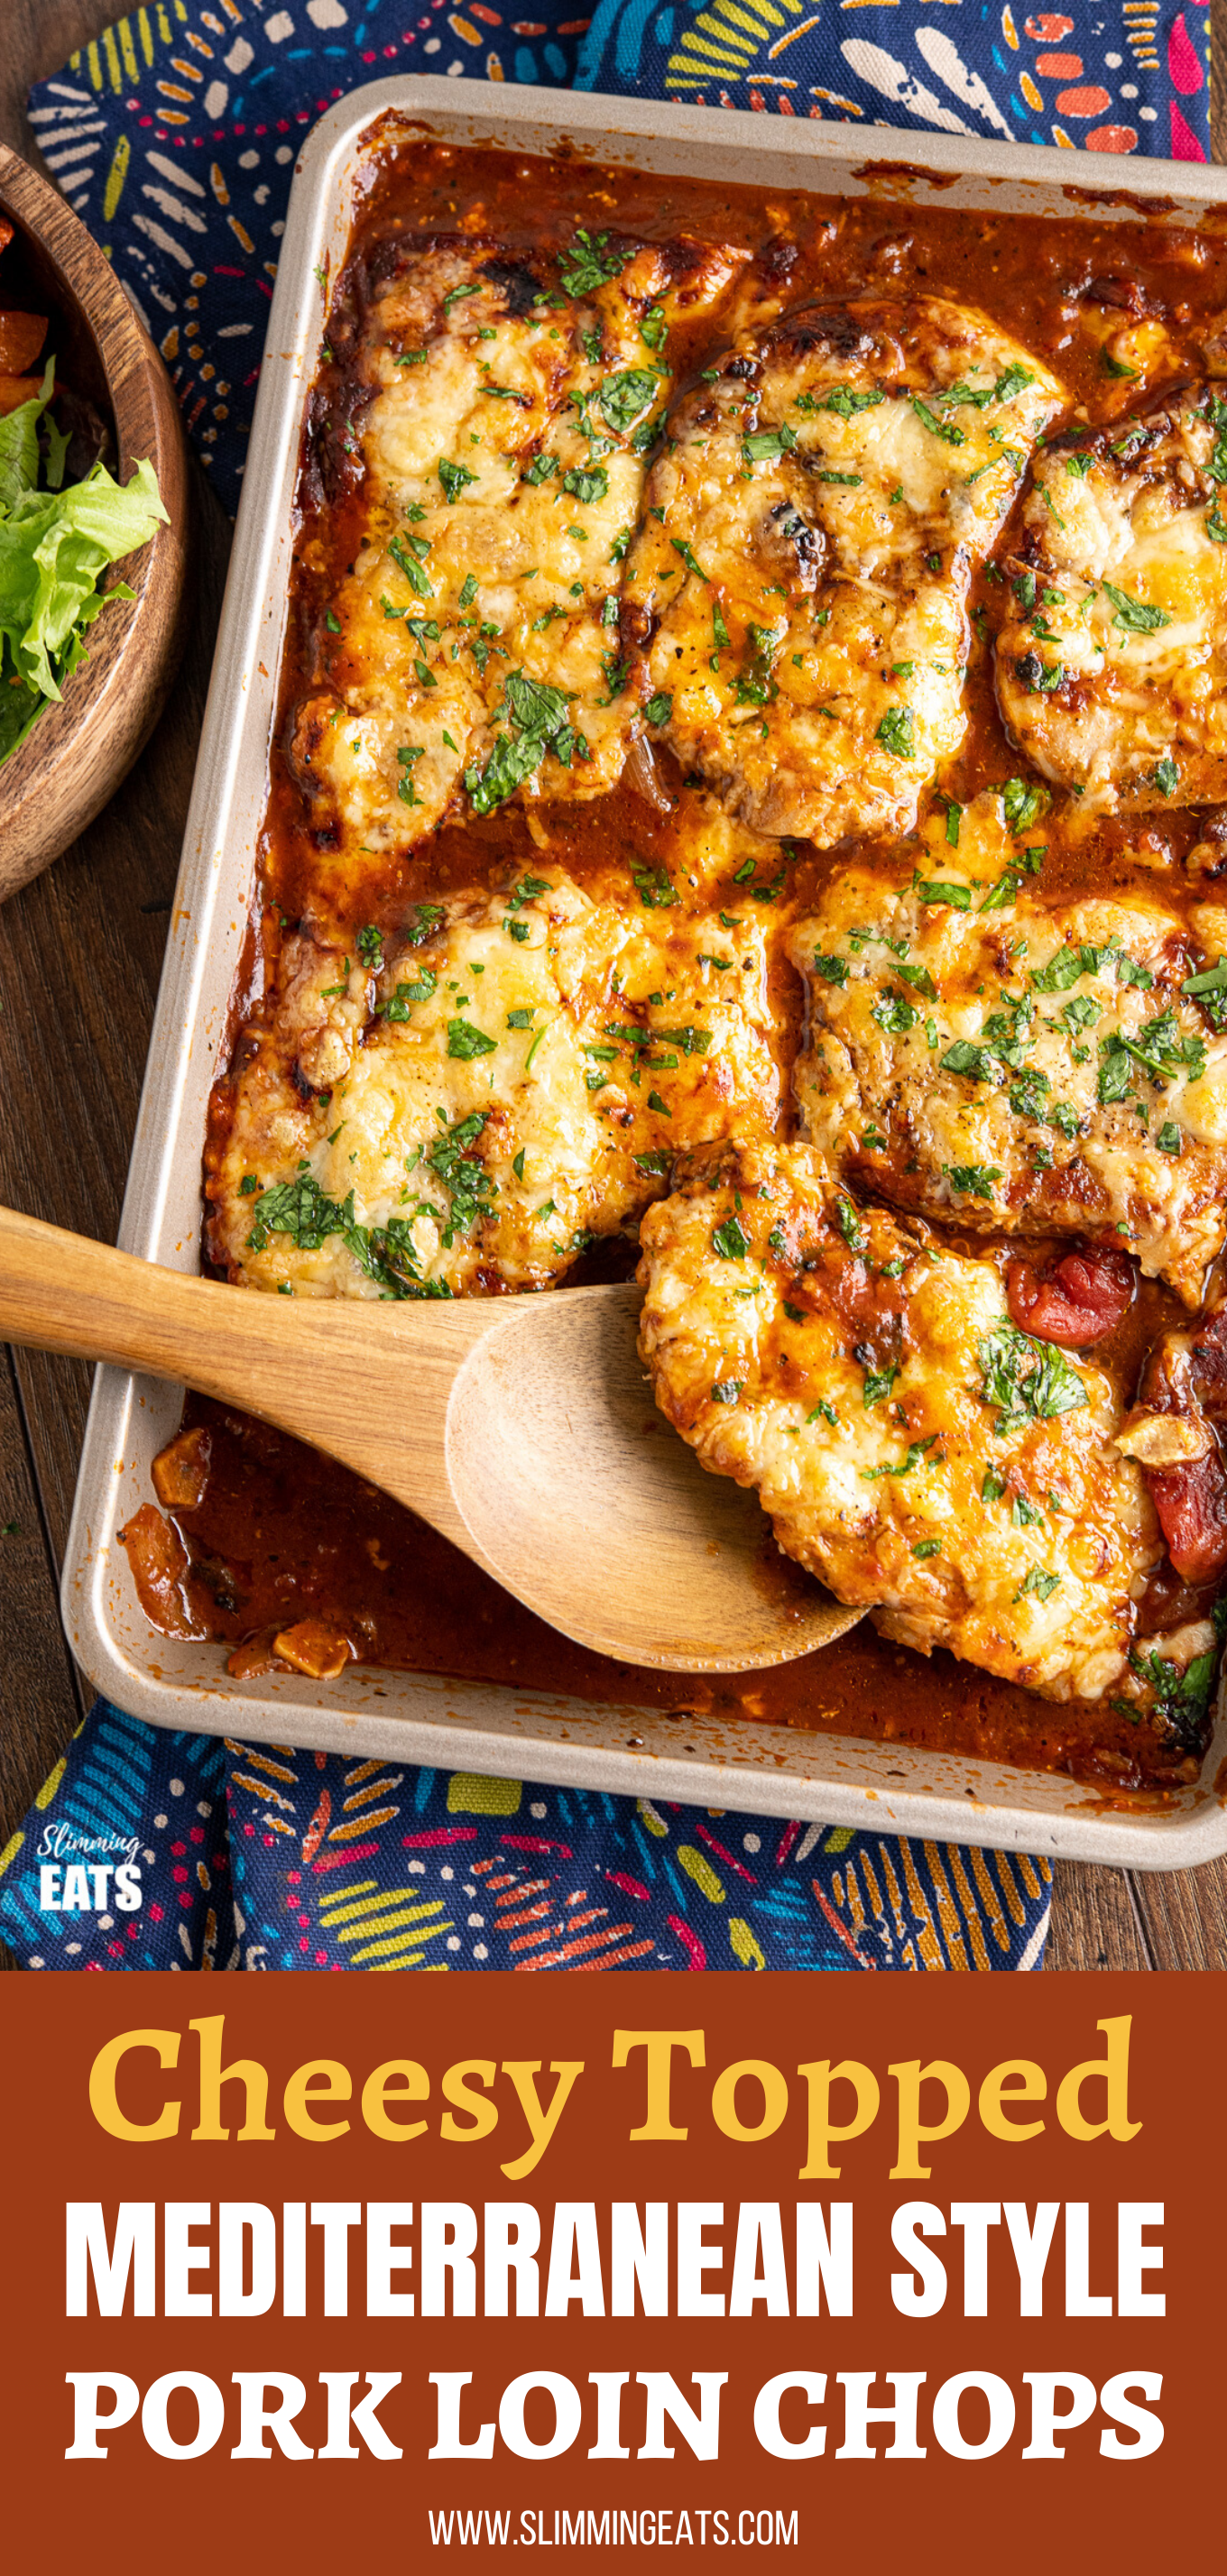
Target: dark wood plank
[
  {"x": 1185, "y": 1916},
  {"x": 1094, "y": 1920}
]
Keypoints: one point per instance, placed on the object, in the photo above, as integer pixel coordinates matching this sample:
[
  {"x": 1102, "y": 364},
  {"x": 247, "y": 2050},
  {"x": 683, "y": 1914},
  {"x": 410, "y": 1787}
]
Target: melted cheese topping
[
  {"x": 911, "y": 1448},
  {"x": 1112, "y": 664},
  {"x": 477, "y": 651},
  {"x": 482, "y": 1105},
  {"x": 976, "y": 1055},
  {"x": 800, "y": 575}
]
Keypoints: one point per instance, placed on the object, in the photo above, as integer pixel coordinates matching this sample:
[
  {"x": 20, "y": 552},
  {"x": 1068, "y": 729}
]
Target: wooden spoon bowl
[{"x": 75, "y": 756}]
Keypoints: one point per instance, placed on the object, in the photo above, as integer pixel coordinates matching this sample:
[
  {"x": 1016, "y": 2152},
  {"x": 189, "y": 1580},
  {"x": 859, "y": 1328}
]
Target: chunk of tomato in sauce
[
  {"x": 1076, "y": 1301},
  {"x": 1191, "y": 1501}
]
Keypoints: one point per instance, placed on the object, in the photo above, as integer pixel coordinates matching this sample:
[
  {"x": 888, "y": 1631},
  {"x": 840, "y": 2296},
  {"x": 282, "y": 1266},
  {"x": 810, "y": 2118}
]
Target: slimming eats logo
[{"x": 75, "y": 1872}]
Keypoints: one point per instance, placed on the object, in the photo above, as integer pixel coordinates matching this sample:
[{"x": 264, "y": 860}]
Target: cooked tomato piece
[
  {"x": 21, "y": 338},
  {"x": 1191, "y": 1502},
  {"x": 1076, "y": 1302},
  {"x": 159, "y": 1563}
]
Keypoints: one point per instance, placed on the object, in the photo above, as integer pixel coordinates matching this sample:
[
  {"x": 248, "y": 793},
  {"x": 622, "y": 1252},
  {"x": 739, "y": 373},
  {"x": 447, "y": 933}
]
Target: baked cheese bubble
[
  {"x": 470, "y": 1108},
  {"x": 797, "y": 590},
  {"x": 912, "y": 1448},
  {"x": 1112, "y": 661},
  {"x": 472, "y": 653},
  {"x": 1014, "y": 1067}
]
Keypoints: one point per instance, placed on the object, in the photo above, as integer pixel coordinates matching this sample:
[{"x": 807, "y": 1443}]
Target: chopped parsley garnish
[
  {"x": 1167, "y": 776},
  {"x": 659, "y": 709},
  {"x": 411, "y": 568},
  {"x": 766, "y": 446},
  {"x": 653, "y": 326},
  {"x": 1028, "y": 1380},
  {"x": 963, "y": 1057},
  {"x": 424, "y": 985},
  {"x": 540, "y": 470},
  {"x": 946, "y": 429},
  {"x": 688, "y": 558},
  {"x": 655, "y": 888},
  {"x": 917, "y": 1450},
  {"x": 624, "y": 396},
  {"x": 935, "y": 890},
  {"x": 370, "y": 947},
  {"x": 972, "y": 1180},
  {"x": 1210, "y": 990},
  {"x": 454, "y": 478},
  {"x": 1038, "y": 1582},
  {"x": 896, "y": 733},
  {"x": 727, "y": 1389},
  {"x": 894, "y": 1014},
  {"x": 1135, "y": 616},
  {"x": 1022, "y": 804},
  {"x": 464, "y": 1041},
  {"x": 878, "y": 1382},
  {"x": 586, "y": 482},
  {"x": 540, "y": 718},
  {"x": 1159, "y": 1048},
  {"x": 468, "y": 1183},
  {"x": 855, "y": 1235},
  {"x": 844, "y": 400},
  {"x": 587, "y": 264},
  {"x": 427, "y": 917},
  {"x": 730, "y": 1240},
  {"x": 831, "y": 970},
  {"x": 918, "y": 977},
  {"x": 1013, "y": 382}
]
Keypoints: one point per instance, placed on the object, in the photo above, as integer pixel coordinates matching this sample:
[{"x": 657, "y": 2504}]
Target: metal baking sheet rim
[{"x": 491, "y": 1728}]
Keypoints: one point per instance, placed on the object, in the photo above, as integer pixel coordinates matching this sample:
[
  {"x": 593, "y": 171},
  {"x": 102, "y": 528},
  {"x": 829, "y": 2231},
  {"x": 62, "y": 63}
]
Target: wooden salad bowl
[{"x": 75, "y": 756}]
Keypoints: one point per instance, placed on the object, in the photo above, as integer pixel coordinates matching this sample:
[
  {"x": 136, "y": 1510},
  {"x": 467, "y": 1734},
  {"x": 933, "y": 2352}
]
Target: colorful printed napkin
[
  {"x": 155, "y": 1850},
  {"x": 174, "y": 135}
]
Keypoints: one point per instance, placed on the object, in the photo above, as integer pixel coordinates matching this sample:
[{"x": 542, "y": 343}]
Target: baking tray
[{"x": 426, "y": 1718}]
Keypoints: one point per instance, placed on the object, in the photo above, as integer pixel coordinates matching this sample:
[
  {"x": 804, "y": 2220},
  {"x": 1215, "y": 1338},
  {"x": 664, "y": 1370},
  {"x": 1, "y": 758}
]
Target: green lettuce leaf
[
  {"x": 54, "y": 546},
  {"x": 19, "y": 443}
]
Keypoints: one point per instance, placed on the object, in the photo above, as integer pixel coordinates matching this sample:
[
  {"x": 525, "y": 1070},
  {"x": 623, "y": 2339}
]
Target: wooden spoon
[{"x": 522, "y": 1427}]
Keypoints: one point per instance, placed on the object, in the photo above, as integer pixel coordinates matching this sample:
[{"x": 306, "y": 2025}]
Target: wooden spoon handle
[{"x": 323, "y": 1369}]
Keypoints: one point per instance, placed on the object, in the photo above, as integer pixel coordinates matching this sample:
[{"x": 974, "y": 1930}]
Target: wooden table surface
[{"x": 80, "y": 954}]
